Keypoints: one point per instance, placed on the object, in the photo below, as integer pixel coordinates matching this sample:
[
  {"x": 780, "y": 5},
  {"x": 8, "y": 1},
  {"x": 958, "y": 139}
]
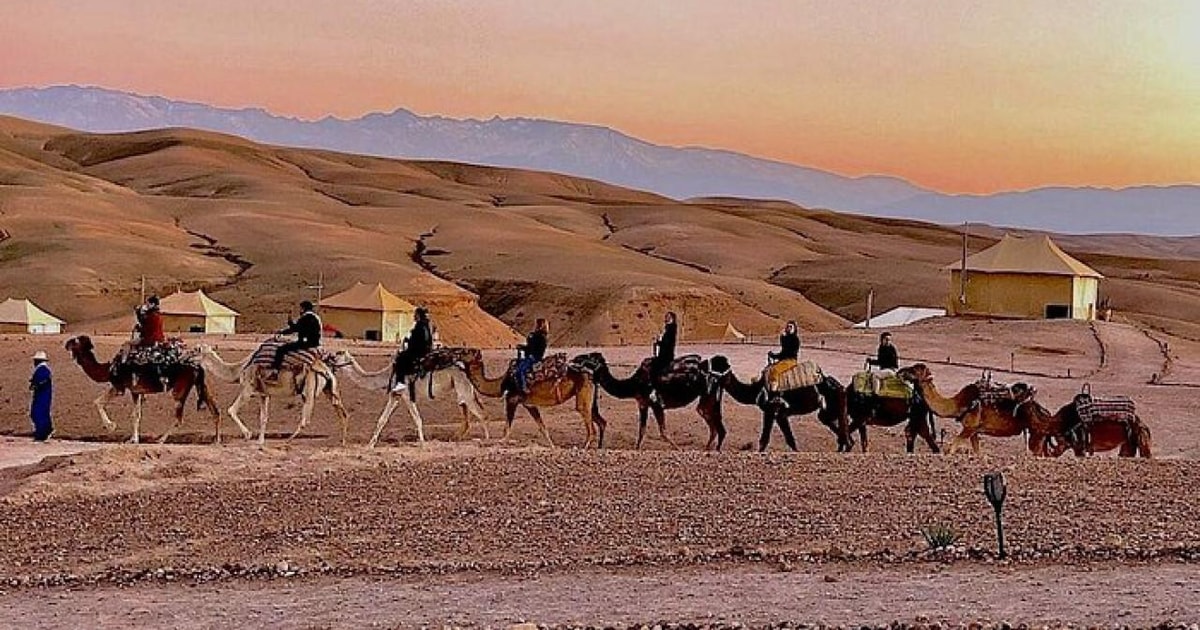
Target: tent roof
[
  {"x": 365, "y": 297},
  {"x": 902, "y": 316},
  {"x": 194, "y": 303},
  {"x": 716, "y": 330},
  {"x": 25, "y": 312},
  {"x": 1033, "y": 254}
]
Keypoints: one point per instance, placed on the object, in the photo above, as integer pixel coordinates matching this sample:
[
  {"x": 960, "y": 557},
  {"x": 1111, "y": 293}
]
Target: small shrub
[{"x": 939, "y": 536}]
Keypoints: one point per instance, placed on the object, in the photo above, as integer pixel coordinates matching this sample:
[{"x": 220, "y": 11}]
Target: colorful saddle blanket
[
  {"x": 1114, "y": 409},
  {"x": 171, "y": 352},
  {"x": 993, "y": 393},
  {"x": 884, "y": 384},
  {"x": 551, "y": 368},
  {"x": 264, "y": 356},
  {"x": 441, "y": 359},
  {"x": 789, "y": 374}
]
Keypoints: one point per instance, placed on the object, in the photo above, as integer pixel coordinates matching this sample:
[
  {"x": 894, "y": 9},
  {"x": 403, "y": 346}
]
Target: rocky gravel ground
[{"x": 216, "y": 513}]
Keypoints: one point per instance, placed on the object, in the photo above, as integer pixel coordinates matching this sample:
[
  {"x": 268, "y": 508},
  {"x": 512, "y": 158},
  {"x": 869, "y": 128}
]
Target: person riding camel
[
  {"x": 886, "y": 359},
  {"x": 307, "y": 330},
  {"x": 531, "y": 352},
  {"x": 418, "y": 344},
  {"x": 149, "y": 326},
  {"x": 789, "y": 344},
  {"x": 664, "y": 350}
]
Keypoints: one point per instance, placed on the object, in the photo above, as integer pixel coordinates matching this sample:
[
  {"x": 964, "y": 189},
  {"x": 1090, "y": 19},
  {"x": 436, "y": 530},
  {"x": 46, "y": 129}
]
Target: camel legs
[
  {"x": 264, "y": 412},
  {"x": 180, "y": 403},
  {"x": 469, "y": 403},
  {"x": 415, "y": 414},
  {"x": 924, "y": 429},
  {"x": 386, "y": 415},
  {"x": 339, "y": 408},
  {"x": 101, "y": 403},
  {"x": 862, "y": 437},
  {"x": 242, "y": 396},
  {"x": 537, "y": 417},
  {"x": 660, "y": 416},
  {"x": 711, "y": 413},
  {"x": 510, "y": 412},
  {"x": 137, "y": 417},
  {"x": 643, "y": 416},
  {"x": 591, "y": 421}
]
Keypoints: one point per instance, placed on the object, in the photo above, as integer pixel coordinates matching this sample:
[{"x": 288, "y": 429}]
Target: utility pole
[
  {"x": 870, "y": 306},
  {"x": 143, "y": 290},
  {"x": 319, "y": 287},
  {"x": 962, "y": 273}
]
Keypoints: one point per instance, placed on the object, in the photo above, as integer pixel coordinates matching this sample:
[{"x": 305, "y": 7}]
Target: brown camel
[
  {"x": 979, "y": 414},
  {"x": 1065, "y": 429},
  {"x": 549, "y": 392},
  {"x": 180, "y": 379}
]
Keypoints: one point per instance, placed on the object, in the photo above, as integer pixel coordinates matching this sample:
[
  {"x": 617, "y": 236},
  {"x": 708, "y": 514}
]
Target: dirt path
[
  {"x": 24, "y": 451},
  {"x": 1135, "y": 595}
]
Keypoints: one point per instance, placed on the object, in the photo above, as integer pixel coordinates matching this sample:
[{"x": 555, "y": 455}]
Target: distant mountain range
[{"x": 605, "y": 154}]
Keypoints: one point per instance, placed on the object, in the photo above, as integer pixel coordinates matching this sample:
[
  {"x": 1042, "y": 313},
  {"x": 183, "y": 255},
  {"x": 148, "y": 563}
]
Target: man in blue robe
[{"x": 41, "y": 387}]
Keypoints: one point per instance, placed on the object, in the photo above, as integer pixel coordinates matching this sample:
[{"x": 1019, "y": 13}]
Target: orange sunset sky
[{"x": 955, "y": 95}]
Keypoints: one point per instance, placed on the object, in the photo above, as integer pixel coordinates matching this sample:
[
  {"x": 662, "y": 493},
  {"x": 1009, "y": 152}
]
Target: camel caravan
[{"x": 883, "y": 394}]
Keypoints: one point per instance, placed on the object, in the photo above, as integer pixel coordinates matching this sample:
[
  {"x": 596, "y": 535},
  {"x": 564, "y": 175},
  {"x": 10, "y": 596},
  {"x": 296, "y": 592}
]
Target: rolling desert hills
[{"x": 84, "y": 216}]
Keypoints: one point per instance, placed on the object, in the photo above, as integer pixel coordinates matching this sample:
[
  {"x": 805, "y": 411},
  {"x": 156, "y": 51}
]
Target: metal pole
[
  {"x": 870, "y": 306},
  {"x": 962, "y": 273},
  {"x": 143, "y": 289}
]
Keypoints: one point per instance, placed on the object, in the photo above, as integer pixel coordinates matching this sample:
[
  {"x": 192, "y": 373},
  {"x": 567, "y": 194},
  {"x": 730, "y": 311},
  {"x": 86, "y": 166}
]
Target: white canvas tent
[
  {"x": 196, "y": 312},
  {"x": 902, "y": 316},
  {"x": 23, "y": 316}
]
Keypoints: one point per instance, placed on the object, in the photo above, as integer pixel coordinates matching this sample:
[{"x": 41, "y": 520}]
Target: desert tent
[
  {"x": 196, "y": 312},
  {"x": 1025, "y": 278},
  {"x": 713, "y": 331},
  {"x": 23, "y": 316},
  {"x": 902, "y": 316},
  {"x": 368, "y": 312}
]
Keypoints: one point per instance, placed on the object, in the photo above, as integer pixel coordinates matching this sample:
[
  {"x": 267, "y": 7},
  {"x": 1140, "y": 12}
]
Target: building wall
[
  {"x": 30, "y": 329},
  {"x": 1087, "y": 296},
  {"x": 1023, "y": 296},
  {"x": 353, "y": 324}
]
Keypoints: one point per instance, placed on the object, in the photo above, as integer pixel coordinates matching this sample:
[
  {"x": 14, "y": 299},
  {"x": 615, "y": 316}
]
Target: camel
[
  {"x": 995, "y": 419},
  {"x": 571, "y": 384},
  {"x": 867, "y": 409},
  {"x": 180, "y": 379},
  {"x": 433, "y": 385},
  {"x": 827, "y": 398},
  {"x": 673, "y": 393},
  {"x": 309, "y": 382},
  {"x": 1053, "y": 434}
]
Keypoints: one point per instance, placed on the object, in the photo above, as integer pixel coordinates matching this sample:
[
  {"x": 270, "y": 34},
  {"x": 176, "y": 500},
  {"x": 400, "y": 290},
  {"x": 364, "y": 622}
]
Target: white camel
[
  {"x": 430, "y": 386},
  {"x": 312, "y": 381}
]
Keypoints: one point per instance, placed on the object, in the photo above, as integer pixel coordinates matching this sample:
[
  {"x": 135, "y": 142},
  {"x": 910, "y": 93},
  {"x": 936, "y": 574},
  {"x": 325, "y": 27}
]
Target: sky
[{"x": 955, "y": 95}]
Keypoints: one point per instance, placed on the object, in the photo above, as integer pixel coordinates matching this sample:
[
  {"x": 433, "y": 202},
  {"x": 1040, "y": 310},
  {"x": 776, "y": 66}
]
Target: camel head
[
  {"x": 590, "y": 362},
  {"x": 341, "y": 359},
  {"x": 719, "y": 366},
  {"x": 79, "y": 346},
  {"x": 916, "y": 374}
]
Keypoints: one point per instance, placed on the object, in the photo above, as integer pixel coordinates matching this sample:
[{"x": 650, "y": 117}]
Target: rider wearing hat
[
  {"x": 41, "y": 388},
  {"x": 307, "y": 330},
  {"x": 418, "y": 344}
]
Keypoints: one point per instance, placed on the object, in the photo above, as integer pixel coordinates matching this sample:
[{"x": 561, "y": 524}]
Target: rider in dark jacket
[
  {"x": 886, "y": 357},
  {"x": 418, "y": 344},
  {"x": 789, "y": 344},
  {"x": 307, "y": 330},
  {"x": 532, "y": 351}
]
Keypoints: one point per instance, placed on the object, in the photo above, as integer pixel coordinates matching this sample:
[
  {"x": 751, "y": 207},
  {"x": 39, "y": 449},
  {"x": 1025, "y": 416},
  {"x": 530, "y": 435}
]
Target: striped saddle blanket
[
  {"x": 789, "y": 374},
  {"x": 993, "y": 393},
  {"x": 551, "y": 368},
  {"x": 441, "y": 359},
  {"x": 1114, "y": 409},
  {"x": 296, "y": 360}
]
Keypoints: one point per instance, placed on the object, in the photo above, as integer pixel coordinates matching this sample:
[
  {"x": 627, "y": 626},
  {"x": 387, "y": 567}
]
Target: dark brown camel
[
  {"x": 1129, "y": 438},
  {"x": 827, "y": 398},
  {"x": 867, "y": 409},
  {"x": 180, "y": 379},
  {"x": 688, "y": 381}
]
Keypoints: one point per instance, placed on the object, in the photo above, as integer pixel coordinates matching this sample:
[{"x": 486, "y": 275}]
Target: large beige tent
[
  {"x": 1026, "y": 278},
  {"x": 23, "y": 316},
  {"x": 196, "y": 312},
  {"x": 368, "y": 312}
]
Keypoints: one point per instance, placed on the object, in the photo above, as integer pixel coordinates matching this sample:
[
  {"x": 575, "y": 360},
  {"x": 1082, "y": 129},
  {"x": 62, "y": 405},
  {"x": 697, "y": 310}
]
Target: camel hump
[
  {"x": 882, "y": 383},
  {"x": 1111, "y": 409}
]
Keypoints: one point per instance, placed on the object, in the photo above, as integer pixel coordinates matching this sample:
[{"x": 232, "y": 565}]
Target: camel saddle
[
  {"x": 171, "y": 352},
  {"x": 295, "y": 361},
  {"x": 551, "y": 368},
  {"x": 1112, "y": 409},
  {"x": 441, "y": 359},
  {"x": 889, "y": 385},
  {"x": 687, "y": 368},
  {"x": 789, "y": 374},
  {"x": 993, "y": 393}
]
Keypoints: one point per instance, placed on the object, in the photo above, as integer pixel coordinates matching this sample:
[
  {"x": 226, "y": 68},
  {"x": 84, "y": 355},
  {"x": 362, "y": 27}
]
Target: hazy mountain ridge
[{"x": 601, "y": 153}]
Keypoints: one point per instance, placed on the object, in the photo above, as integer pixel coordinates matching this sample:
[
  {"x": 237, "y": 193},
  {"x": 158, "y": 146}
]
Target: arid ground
[{"x": 480, "y": 532}]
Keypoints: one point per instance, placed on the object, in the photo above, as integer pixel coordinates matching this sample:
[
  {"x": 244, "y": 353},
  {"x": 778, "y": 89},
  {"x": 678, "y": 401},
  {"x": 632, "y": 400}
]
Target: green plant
[{"x": 939, "y": 536}]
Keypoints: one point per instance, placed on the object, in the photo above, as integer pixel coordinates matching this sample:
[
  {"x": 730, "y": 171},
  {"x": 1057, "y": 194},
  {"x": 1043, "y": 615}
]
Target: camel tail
[{"x": 1142, "y": 438}]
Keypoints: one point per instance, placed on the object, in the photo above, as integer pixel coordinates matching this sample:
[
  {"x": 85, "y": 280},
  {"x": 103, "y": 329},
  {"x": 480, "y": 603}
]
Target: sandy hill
[{"x": 84, "y": 216}]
